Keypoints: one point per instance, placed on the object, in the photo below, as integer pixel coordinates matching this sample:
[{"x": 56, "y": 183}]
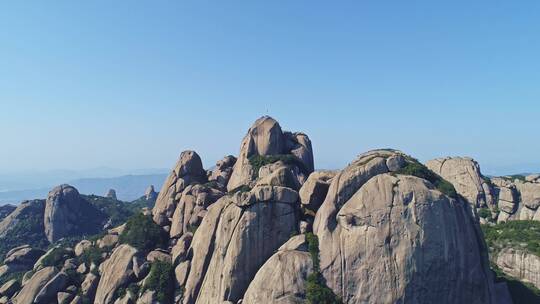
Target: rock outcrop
[
  {"x": 150, "y": 194},
  {"x": 33, "y": 287},
  {"x": 314, "y": 190},
  {"x": 222, "y": 173},
  {"x": 22, "y": 257},
  {"x": 464, "y": 173},
  {"x": 392, "y": 238},
  {"x": 33, "y": 208},
  {"x": 265, "y": 138},
  {"x": 282, "y": 279},
  {"x": 236, "y": 237},
  {"x": 116, "y": 271},
  {"x": 519, "y": 264},
  {"x": 188, "y": 170},
  {"x": 68, "y": 214}
]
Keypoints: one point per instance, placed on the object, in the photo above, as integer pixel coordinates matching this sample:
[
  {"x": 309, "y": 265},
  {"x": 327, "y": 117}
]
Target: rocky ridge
[{"x": 266, "y": 228}]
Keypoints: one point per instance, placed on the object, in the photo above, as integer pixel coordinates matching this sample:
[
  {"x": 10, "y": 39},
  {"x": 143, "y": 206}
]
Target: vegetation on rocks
[
  {"x": 143, "y": 233},
  {"x": 117, "y": 211},
  {"x": 28, "y": 230},
  {"x": 258, "y": 161},
  {"x": 56, "y": 257},
  {"x": 161, "y": 280},
  {"x": 92, "y": 255},
  {"x": 417, "y": 169},
  {"x": 316, "y": 290},
  {"x": 516, "y": 234},
  {"x": 484, "y": 213}
]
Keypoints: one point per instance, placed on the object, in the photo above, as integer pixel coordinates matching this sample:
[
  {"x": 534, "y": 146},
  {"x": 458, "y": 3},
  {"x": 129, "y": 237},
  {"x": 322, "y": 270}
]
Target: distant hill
[{"x": 128, "y": 188}]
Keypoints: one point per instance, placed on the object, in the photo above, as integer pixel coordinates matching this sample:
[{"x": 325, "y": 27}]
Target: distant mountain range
[{"x": 128, "y": 187}]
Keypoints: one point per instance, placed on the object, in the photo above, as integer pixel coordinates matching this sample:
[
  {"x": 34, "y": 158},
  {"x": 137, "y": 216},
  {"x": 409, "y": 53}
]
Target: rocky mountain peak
[
  {"x": 265, "y": 140},
  {"x": 150, "y": 194}
]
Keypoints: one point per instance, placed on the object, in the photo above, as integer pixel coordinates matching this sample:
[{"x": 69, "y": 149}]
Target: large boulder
[
  {"x": 49, "y": 291},
  {"x": 188, "y": 170},
  {"x": 313, "y": 191},
  {"x": 282, "y": 279},
  {"x": 9, "y": 288},
  {"x": 392, "y": 238},
  {"x": 33, "y": 287},
  {"x": 464, "y": 174},
  {"x": 236, "y": 237},
  {"x": 111, "y": 193},
  {"x": 23, "y": 257},
  {"x": 68, "y": 214},
  {"x": 116, "y": 272}
]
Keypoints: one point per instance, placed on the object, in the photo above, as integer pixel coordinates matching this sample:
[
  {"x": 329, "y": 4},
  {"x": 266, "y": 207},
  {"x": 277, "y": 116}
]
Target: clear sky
[{"x": 130, "y": 84}]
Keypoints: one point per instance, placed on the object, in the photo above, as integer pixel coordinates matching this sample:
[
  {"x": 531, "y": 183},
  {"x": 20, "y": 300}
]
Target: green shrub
[
  {"x": 316, "y": 290},
  {"x": 415, "y": 168},
  {"x": 516, "y": 234},
  {"x": 143, "y": 233},
  {"x": 91, "y": 255},
  {"x": 257, "y": 161},
  {"x": 484, "y": 213},
  {"x": 56, "y": 257},
  {"x": 161, "y": 280}
]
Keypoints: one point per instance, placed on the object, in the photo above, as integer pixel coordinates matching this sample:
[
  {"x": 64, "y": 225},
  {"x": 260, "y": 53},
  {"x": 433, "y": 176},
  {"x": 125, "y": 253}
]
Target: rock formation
[
  {"x": 65, "y": 210},
  {"x": 464, "y": 174},
  {"x": 111, "y": 193},
  {"x": 389, "y": 231},
  {"x": 188, "y": 170},
  {"x": 392, "y": 238},
  {"x": 265, "y": 138},
  {"x": 150, "y": 194}
]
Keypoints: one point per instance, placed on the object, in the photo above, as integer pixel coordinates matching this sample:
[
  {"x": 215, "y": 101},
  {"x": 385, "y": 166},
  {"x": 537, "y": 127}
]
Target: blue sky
[{"x": 130, "y": 84}]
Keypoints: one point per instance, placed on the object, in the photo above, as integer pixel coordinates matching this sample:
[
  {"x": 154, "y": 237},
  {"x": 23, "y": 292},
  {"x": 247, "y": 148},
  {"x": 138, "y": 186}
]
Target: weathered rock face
[
  {"x": 117, "y": 270},
  {"x": 282, "y": 279},
  {"x": 266, "y": 138},
  {"x": 191, "y": 208},
  {"x": 236, "y": 237},
  {"x": 313, "y": 192},
  {"x": 393, "y": 238},
  {"x": 188, "y": 170},
  {"x": 520, "y": 264},
  {"x": 464, "y": 174},
  {"x": 68, "y": 214}
]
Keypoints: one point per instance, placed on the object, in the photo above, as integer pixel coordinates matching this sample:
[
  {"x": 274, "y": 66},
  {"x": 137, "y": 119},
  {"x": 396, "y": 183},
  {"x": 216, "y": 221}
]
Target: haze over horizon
[{"x": 129, "y": 86}]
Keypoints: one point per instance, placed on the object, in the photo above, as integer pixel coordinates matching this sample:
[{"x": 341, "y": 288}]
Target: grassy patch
[
  {"x": 143, "y": 233},
  {"x": 316, "y": 290},
  {"x": 516, "y": 234},
  {"x": 417, "y": 169}
]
